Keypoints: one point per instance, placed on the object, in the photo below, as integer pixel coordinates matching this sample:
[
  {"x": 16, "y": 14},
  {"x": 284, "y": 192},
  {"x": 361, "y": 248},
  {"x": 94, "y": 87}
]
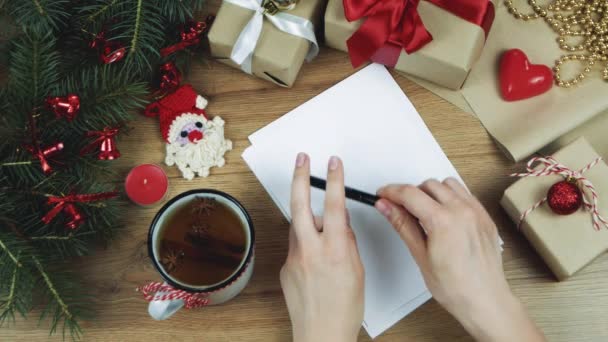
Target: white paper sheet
[{"x": 368, "y": 122}]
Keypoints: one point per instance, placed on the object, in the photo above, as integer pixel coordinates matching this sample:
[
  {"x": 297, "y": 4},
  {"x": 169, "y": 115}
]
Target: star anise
[
  {"x": 172, "y": 259},
  {"x": 203, "y": 206}
]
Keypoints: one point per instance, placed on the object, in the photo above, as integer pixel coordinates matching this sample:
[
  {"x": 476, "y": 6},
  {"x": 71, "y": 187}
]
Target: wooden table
[{"x": 575, "y": 310}]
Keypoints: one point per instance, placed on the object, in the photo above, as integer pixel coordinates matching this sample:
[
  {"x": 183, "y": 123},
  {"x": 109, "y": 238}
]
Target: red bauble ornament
[
  {"x": 64, "y": 106},
  {"x": 521, "y": 80},
  {"x": 565, "y": 197},
  {"x": 170, "y": 77}
]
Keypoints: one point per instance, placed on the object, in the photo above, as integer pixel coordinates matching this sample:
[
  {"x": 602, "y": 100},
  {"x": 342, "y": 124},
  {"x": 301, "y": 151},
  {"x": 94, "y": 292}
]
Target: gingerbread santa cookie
[{"x": 194, "y": 143}]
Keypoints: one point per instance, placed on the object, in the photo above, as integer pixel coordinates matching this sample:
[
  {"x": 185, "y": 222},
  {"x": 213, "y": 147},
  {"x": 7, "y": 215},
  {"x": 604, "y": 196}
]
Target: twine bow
[
  {"x": 553, "y": 167},
  {"x": 167, "y": 292},
  {"x": 66, "y": 203}
]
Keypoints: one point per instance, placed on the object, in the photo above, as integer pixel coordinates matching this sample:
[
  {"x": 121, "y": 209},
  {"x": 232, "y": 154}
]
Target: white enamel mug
[{"x": 218, "y": 293}]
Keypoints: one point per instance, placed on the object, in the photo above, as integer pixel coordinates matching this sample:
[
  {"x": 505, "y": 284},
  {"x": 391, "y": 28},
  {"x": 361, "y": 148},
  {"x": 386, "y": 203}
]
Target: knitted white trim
[
  {"x": 201, "y": 102},
  {"x": 180, "y": 121}
]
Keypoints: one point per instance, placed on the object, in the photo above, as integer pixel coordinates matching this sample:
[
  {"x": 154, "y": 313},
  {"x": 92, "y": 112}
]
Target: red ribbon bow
[
  {"x": 105, "y": 143},
  {"x": 66, "y": 203},
  {"x": 396, "y": 24}
]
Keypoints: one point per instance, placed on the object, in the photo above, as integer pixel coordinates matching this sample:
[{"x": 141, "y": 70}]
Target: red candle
[{"x": 146, "y": 184}]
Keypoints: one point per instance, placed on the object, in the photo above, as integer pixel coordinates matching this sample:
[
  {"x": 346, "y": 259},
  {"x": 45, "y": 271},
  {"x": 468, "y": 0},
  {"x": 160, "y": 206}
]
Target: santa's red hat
[{"x": 182, "y": 101}]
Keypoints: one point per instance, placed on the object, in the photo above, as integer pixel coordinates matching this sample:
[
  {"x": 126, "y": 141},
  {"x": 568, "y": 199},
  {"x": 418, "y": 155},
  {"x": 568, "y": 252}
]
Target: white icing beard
[{"x": 197, "y": 158}]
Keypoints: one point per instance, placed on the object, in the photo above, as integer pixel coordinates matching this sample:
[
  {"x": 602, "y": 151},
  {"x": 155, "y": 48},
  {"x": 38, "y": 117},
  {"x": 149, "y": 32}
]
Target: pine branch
[
  {"x": 39, "y": 16},
  {"x": 16, "y": 295},
  {"x": 8, "y": 306},
  {"x": 8, "y": 252},
  {"x": 16, "y": 283},
  {"x": 59, "y": 306},
  {"x": 178, "y": 11},
  {"x": 99, "y": 11},
  {"x": 142, "y": 27},
  {"x": 137, "y": 28},
  {"x": 108, "y": 96},
  {"x": 49, "y": 55},
  {"x": 33, "y": 69}
]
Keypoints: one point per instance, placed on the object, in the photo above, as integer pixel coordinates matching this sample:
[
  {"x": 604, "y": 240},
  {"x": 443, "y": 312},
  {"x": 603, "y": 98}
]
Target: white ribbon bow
[{"x": 242, "y": 53}]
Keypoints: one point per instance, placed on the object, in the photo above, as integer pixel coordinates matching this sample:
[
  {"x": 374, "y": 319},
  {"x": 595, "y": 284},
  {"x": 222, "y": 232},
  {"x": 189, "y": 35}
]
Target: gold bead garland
[{"x": 574, "y": 18}]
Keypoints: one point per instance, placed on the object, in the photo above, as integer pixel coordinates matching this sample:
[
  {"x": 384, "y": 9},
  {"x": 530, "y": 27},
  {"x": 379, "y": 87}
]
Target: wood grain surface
[{"x": 574, "y": 310}]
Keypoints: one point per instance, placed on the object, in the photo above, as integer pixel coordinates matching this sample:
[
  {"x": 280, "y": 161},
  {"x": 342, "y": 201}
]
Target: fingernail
[
  {"x": 380, "y": 189},
  {"x": 300, "y": 159},
  {"x": 383, "y": 208},
  {"x": 333, "y": 162}
]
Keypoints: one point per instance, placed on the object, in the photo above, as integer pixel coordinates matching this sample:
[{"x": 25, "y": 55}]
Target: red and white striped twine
[
  {"x": 191, "y": 300},
  {"x": 553, "y": 167}
]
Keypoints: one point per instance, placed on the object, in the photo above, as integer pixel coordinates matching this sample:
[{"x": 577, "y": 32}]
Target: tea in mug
[{"x": 202, "y": 243}]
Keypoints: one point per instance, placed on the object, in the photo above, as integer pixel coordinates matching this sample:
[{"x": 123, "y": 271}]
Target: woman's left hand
[{"x": 323, "y": 277}]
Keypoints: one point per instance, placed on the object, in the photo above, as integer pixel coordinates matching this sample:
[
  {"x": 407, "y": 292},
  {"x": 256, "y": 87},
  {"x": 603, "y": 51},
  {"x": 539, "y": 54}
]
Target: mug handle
[{"x": 163, "y": 309}]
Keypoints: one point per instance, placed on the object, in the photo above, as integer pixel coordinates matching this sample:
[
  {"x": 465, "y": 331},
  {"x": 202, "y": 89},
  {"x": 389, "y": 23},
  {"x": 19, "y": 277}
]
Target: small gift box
[
  {"x": 544, "y": 204},
  {"x": 264, "y": 40},
  {"x": 436, "y": 40}
]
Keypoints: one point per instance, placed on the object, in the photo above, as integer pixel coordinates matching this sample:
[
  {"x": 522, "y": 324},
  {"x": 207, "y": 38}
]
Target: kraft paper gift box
[
  {"x": 278, "y": 56},
  {"x": 567, "y": 243},
  {"x": 446, "y": 60},
  {"x": 547, "y": 122}
]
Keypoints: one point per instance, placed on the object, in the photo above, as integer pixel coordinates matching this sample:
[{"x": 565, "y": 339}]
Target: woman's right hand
[{"x": 456, "y": 245}]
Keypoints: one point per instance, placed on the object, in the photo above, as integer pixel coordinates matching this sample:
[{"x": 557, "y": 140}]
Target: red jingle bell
[
  {"x": 112, "y": 51},
  {"x": 76, "y": 217},
  {"x": 108, "y": 150},
  {"x": 105, "y": 142},
  {"x": 565, "y": 197},
  {"x": 64, "y": 106}
]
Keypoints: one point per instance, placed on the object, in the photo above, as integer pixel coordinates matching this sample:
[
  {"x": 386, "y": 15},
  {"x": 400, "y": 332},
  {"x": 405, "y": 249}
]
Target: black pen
[{"x": 355, "y": 195}]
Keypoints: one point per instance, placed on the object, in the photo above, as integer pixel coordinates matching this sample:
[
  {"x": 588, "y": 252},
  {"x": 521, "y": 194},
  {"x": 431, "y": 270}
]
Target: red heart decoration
[{"x": 521, "y": 80}]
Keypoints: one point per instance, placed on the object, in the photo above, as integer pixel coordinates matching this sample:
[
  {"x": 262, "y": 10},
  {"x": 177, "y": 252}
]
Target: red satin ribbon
[
  {"x": 67, "y": 202},
  {"x": 190, "y": 35},
  {"x": 164, "y": 52},
  {"x": 397, "y": 24},
  {"x": 102, "y": 136}
]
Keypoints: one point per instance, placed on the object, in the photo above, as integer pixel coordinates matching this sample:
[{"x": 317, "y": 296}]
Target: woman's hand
[
  {"x": 455, "y": 243},
  {"x": 323, "y": 277}
]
